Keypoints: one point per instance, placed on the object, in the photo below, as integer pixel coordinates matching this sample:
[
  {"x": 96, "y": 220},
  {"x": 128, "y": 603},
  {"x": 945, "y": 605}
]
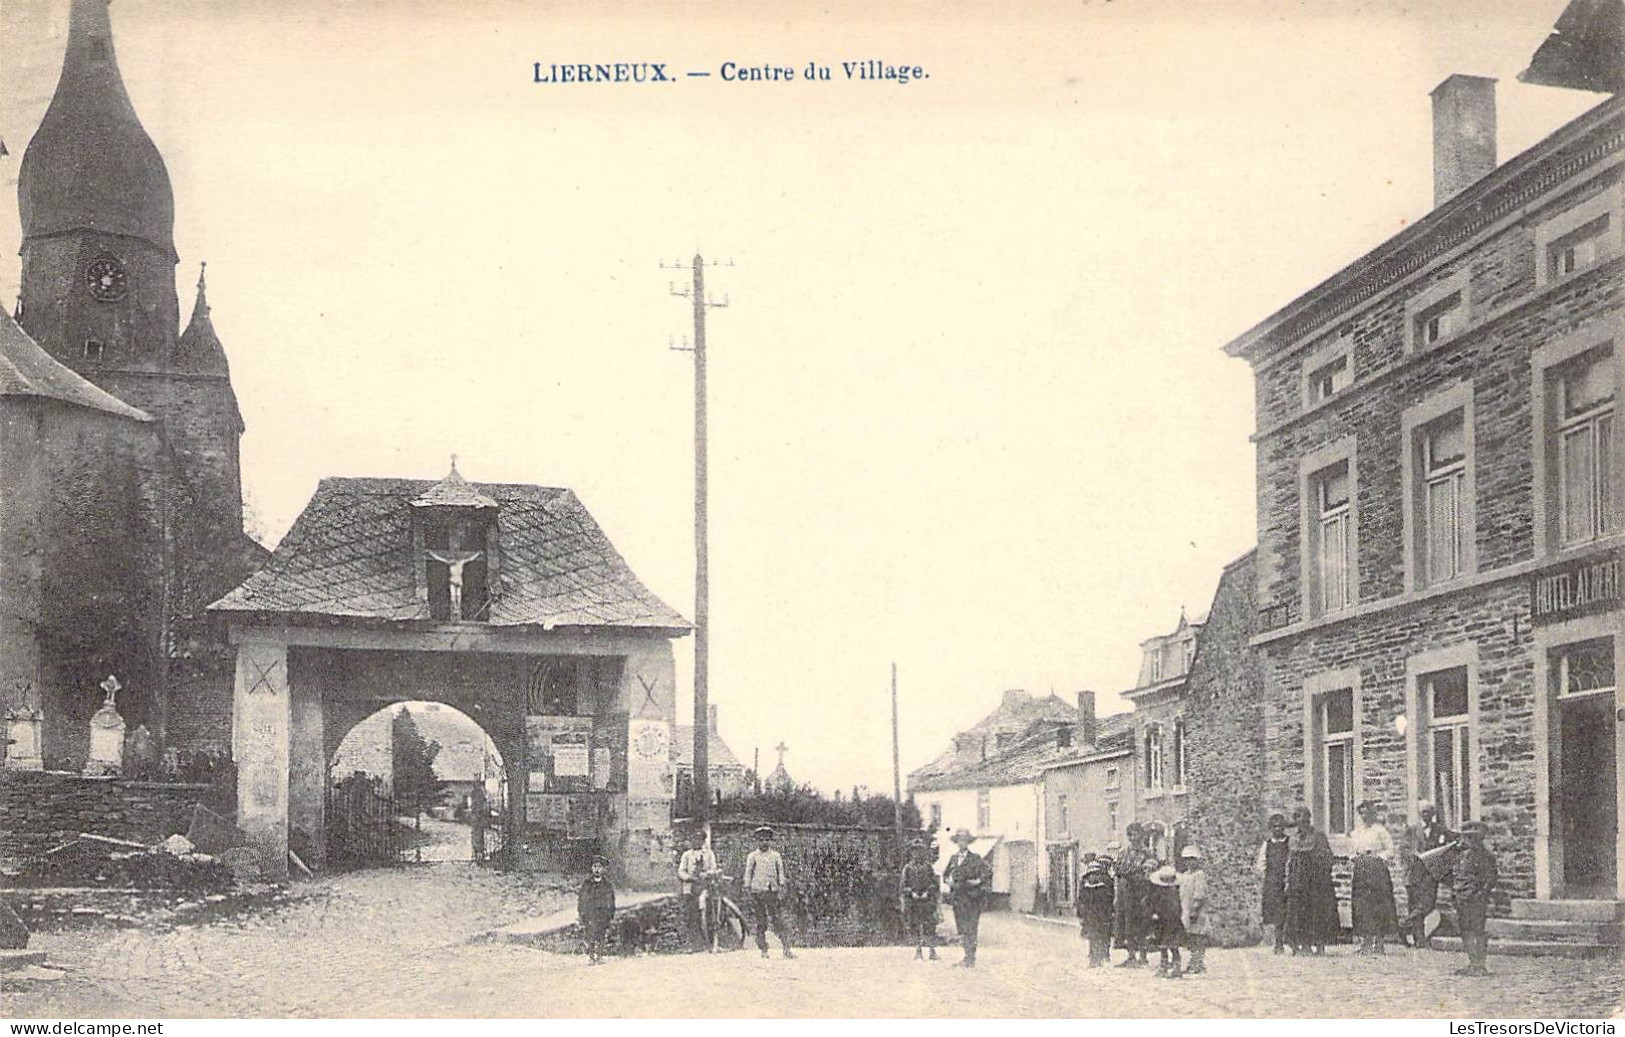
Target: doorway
[
  {"x": 1585, "y": 793},
  {"x": 1587, "y": 804}
]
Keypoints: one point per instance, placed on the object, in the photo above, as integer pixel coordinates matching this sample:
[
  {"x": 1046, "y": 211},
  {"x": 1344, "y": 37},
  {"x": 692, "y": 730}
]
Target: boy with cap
[
  {"x": 595, "y": 907},
  {"x": 765, "y": 884},
  {"x": 1193, "y": 907},
  {"x": 920, "y": 890},
  {"x": 1472, "y": 878},
  {"x": 968, "y": 877},
  {"x": 1095, "y": 896}
]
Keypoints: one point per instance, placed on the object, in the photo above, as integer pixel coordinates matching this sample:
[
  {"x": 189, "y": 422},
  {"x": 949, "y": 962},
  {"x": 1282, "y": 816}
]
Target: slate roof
[
  {"x": 1011, "y": 716},
  {"x": 453, "y": 492},
  {"x": 682, "y": 749},
  {"x": 1021, "y": 763},
  {"x": 91, "y": 164},
  {"x": 349, "y": 555},
  {"x": 28, "y": 370}
]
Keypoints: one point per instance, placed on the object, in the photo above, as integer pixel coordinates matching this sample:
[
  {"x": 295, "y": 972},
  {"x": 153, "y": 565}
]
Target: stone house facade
[{"x": 1439, "y": 515}]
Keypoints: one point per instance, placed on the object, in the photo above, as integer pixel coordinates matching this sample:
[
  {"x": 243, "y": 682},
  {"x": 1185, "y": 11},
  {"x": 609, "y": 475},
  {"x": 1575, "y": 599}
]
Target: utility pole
[
  {"x": 896, "y": 771},
  {"x": 702, "y": 564}
]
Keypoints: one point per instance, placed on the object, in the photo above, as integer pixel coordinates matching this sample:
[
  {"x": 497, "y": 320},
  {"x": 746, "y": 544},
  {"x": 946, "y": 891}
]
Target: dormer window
[{"x": 454, "y": 527}]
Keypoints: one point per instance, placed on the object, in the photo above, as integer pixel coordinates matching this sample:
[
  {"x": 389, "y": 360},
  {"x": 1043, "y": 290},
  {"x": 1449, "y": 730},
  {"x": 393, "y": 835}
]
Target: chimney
[
  {"x": 1087, "y": 727},
  {"x": 1463, "y": 134},
  {"x": 711, "y": 719},
  {"x": 1016, "y": 697}
]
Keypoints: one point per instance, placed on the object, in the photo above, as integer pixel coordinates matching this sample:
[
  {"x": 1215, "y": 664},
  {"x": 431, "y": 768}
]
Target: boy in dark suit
[{"x": 595, "y": 907}]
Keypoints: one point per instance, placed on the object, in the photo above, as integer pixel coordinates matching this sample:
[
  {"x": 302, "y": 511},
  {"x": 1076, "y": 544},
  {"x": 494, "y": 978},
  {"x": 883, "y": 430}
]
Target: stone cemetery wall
[{"x": 40, "y": 810}]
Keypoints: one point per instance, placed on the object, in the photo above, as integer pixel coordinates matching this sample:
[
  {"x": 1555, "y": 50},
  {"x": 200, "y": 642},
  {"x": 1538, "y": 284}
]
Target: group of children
[{"x": 1147, "y": 904}]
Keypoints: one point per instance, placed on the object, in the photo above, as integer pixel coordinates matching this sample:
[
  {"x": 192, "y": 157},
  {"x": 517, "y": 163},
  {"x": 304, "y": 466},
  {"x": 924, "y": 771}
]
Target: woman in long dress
[
  {"x": 1270, "y": 865},
  {"x": 1311, "y": 901},
  {"x": 1372, "y": 894}
]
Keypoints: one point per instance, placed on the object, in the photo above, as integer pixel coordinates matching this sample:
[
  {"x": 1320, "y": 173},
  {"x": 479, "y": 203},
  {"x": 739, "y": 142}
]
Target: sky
[{"x": 968, "y": 407}]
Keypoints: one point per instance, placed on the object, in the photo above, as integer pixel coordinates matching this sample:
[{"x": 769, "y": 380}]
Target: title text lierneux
[{"x": 871, "y": 70}]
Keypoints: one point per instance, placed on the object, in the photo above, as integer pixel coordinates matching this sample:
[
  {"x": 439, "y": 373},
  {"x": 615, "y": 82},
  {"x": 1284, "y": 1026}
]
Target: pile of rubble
[{"x": 209, "y": 858}]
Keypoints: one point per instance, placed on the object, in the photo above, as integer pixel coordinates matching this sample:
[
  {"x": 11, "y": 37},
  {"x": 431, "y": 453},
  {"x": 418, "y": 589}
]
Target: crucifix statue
[
  {"x": 781, "y": 749},
  {"x": 454, "y": 562},
  {"x": 112, "y": 687}
]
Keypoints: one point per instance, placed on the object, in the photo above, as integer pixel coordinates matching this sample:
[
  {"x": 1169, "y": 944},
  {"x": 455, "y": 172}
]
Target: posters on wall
[{"x": 648, "y": 766}]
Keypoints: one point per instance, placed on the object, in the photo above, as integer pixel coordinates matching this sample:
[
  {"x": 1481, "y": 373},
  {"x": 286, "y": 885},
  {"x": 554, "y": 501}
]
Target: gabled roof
[
  {"x": 682, "y": 749},
  {"x": 28, "y": 370},
  {"x": 349, "y": 555}
]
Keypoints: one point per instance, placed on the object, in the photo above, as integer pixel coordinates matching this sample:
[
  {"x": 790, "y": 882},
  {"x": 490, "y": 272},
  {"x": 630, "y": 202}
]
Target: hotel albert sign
[{"x": 1574, "y": 589}]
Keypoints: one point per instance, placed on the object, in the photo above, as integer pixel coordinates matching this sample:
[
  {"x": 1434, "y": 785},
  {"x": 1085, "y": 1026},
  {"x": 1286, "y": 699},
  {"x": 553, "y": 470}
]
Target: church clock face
[{"x": 107, "y": 279}]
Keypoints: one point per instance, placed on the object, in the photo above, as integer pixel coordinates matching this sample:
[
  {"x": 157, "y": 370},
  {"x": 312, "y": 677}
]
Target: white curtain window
[
  {"x": 1587, "y": 482},
  {"x": 1444, "y": 461},
  {"x": 1578, "y": 250},
  {"x": 1336, "y": 722},
  {"x": 1449, "y": 746},
  {"x": 1332, "y": 493},
  {"x": 1179, "y": 752},
  {"x": 984, "y": 810},
  {"x": 1329, "y": 380},
  {"x": 1060, "y": 810},
  {"x": 1153, "y": 757}
]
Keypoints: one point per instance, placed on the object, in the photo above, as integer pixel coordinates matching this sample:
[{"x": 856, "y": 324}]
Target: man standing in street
[
  {"x": 766, "y": 886},
  {"x": 696, "y": 865},
  {"x": 968, "y": 878},
  {"x": 1472, "y": 879},
  {"x": 1421, "y": 887}
]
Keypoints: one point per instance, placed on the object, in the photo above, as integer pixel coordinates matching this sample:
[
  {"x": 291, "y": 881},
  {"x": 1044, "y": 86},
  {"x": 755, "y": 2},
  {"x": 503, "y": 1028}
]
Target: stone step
[
  {"x": 1570, "y": 910},
  {"x": 1556, "y": 930},
  {"x": 1532, "y": 948}
]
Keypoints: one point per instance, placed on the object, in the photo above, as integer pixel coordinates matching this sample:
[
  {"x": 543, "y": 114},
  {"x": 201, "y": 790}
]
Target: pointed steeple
[
  {"x": 199, "y": 350},
  {"x": 91, "y": 164}
]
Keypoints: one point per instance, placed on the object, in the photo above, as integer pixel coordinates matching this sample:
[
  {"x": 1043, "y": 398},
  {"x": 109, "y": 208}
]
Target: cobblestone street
[{"x": 404, "y": 943}]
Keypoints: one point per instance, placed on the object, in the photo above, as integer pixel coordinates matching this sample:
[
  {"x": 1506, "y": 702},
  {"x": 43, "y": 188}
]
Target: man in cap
[
  {"x": 968, "y": 878},
  {"x": 766, "y": 885},
  {"x": 694, "y": 868},
  {"x": 920, "y": 891},
  {"x": 1472, "y": 879},
  {"x": 595, "y": 907},
  {"x": 1421, "y": 886}
]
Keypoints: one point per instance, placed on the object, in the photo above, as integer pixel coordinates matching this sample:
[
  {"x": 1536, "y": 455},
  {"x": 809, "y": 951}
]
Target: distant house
[
  {"x": 1088, "y": 800},
  {"x": 990, "y": 782},
  {"x": 727, "y": 773}
]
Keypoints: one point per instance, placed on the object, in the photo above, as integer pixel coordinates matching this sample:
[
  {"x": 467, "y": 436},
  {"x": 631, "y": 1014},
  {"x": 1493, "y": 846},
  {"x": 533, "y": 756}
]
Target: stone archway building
[{"x": 505, "y": 601}]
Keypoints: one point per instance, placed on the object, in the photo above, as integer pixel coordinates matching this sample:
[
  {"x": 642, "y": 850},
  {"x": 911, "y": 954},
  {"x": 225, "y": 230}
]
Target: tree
[{"x": 414, "y": 782}]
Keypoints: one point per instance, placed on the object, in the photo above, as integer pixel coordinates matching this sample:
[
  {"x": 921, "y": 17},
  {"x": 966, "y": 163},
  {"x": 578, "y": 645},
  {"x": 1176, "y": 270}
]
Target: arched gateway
[{"x": 505, "y": 601}]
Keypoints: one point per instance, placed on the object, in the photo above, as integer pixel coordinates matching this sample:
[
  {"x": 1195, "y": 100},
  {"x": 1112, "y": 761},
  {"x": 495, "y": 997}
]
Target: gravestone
[
  {"x": 140, "y": 754},
  {"x": 106, "y": 735}
]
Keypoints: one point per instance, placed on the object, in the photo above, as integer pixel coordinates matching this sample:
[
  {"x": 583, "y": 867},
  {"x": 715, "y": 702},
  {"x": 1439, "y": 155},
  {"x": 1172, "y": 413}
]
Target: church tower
[{"x": 98, "y": 271}]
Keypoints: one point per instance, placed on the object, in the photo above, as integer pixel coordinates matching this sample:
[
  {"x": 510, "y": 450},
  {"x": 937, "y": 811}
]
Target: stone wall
[
  {"x": 1508, "y": 321},
  {"x": 843, "y": 880},
  {"x": 1224, "y": 711},
  {"x": 43, "y": 809}
]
